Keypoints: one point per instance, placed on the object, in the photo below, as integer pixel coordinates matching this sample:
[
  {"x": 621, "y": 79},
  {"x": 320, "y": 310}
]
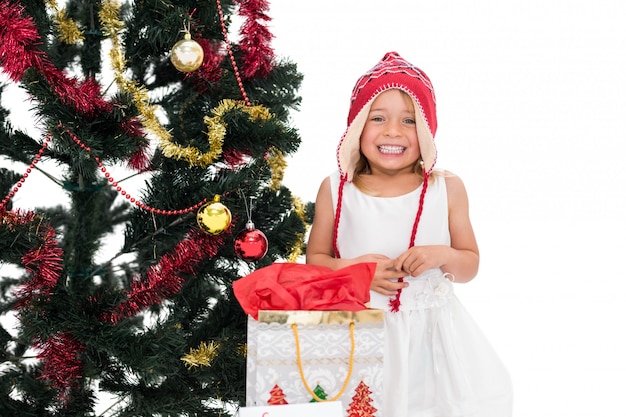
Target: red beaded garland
[
  {"x": 107, "y": 175},
  {"x": 230, "y": 54},
  {"x": 123, "y": 192},
  {"x": 11, "y": 194}
]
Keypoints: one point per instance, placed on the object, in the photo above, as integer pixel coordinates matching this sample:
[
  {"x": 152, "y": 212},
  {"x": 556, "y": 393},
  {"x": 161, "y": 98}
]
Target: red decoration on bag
[
  {"x": 361, "y": 405},
  {"x": 290, "y": 286},
  {"x": 277, "y": 396}
]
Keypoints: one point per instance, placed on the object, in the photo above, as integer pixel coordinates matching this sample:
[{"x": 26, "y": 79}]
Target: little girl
[{"x": 387, "y": 205}]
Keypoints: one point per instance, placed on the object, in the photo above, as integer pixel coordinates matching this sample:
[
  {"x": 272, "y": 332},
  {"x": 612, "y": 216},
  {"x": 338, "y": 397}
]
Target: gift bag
[{"x": 297, "y": 357}]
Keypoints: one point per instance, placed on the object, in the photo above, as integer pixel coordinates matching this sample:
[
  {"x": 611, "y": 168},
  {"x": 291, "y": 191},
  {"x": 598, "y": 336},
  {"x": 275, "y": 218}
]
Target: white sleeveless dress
[{"x": 437, "y": 362}]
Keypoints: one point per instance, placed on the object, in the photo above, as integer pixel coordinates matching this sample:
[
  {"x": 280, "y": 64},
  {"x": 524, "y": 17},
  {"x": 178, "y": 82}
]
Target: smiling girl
[{"x": 387, "y": 205}]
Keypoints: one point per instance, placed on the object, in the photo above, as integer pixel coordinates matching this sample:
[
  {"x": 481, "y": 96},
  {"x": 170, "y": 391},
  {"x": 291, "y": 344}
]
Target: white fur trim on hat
[{"x": 348, "y": 151}]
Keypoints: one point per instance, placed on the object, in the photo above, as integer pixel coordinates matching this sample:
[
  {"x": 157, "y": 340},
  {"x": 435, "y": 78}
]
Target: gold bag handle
[{"x": 294, "y": 327}]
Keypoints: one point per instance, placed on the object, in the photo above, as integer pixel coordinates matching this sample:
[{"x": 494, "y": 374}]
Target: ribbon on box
[{"x": 290, "y": 286}]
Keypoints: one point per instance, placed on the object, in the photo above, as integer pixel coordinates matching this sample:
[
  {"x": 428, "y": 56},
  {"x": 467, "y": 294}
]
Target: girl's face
[{"x": 389, "y": 137}]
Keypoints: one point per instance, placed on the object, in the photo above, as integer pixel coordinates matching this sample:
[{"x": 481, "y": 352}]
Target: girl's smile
[{"x": 389, "y": 149}]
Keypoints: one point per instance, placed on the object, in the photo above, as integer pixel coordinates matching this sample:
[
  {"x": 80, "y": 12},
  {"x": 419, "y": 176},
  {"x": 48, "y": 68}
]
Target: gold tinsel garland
[
  {"x": 112, "y": 25},
  {"x": 202, "y": 356},
  {"x": 69, "y": 32},
  {"x": 297, "y": 250},
  {"x": 216, "y": 133},
  {"x": 242, "y": 349},
  {"x": 109, "y": 16},
  {"x": 277, "y": 163}
]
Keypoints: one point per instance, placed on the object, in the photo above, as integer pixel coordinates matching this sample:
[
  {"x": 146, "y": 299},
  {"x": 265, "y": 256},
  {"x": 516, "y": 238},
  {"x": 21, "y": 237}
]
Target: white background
[{"x": 532, "y": 116}]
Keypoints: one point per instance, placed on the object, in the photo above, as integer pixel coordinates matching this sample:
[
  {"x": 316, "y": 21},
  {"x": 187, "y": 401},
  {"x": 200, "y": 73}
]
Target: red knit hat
[{"x": 391, "y": 72}]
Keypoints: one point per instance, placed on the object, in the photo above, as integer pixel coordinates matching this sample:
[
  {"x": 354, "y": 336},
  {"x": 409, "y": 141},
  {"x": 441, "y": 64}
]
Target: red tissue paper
[{"x": 291, "y": 286}]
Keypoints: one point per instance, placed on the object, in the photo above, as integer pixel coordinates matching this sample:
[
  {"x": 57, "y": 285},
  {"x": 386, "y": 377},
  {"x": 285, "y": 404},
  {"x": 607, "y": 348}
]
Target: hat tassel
[{"x": 394, "y": 303}]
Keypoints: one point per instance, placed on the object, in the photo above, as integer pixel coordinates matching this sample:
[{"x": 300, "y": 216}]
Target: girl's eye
[
  {"x": 376, "y": 118},
  {"x": 409, "y": 121}
]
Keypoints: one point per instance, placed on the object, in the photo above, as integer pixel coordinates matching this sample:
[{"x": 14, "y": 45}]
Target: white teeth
[{"x": 391, "y": 149}]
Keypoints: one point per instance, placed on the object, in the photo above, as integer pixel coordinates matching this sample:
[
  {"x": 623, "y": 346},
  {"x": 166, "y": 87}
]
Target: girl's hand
[
  {"x": 385, "y": 272},
  {"x": 419, "y": 259}
]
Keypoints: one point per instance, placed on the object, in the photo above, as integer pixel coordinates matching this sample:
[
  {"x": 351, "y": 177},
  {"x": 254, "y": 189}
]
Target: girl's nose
[{"x": 392, "y": 128}]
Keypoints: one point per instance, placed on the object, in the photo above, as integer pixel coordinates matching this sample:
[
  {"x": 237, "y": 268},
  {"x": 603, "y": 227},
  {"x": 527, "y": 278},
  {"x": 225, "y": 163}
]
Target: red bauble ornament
[{"x": 251, "y": 243}]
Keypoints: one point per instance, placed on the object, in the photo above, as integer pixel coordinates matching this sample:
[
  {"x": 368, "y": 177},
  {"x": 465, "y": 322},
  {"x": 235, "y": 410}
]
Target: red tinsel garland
[
  {"x": 19, "y": 51},
  {"x": 210, "y": 71},
  {"x": 19, "y": 41},
  {"x": 59, "y": 353},
  {"x": 234, "y": 158},
  {"x": 163, "y": 279},
  {"x": 140, "y": 160},
  {"x": 258, "y": 55},
  {"x": 15, "y": 218},
  {"x": 62, "y": 363},
  {"x": 44, "y": 264}
]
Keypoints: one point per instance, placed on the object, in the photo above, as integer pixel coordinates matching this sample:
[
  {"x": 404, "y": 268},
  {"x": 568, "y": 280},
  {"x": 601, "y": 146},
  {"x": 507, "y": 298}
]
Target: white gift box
[{"x": 326, "y": 409}]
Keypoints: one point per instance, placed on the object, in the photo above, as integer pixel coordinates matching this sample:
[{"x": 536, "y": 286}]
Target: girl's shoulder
[
  {"x": 334, "y": 178},
  {"x": 455, "y": 188},
  {"x": 451, "y": 179}
]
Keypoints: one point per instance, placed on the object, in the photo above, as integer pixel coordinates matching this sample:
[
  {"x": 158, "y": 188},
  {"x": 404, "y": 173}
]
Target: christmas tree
[
  {"x": 361, "y": 405},
  {"x": 198, "y": 107},
  {"x": 319, "y": 394},
  {"x": 277, "y": 396}
]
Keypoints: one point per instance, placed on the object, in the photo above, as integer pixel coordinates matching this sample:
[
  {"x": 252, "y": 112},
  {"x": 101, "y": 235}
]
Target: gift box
[
  {"x": 326, "y": 409},
  {"x": 311, "y": 337}
]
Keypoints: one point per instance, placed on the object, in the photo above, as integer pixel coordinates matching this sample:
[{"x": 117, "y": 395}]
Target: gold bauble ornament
[
  {"x": 214, "y": 217},
  {"x": 187, "y": 54}
]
